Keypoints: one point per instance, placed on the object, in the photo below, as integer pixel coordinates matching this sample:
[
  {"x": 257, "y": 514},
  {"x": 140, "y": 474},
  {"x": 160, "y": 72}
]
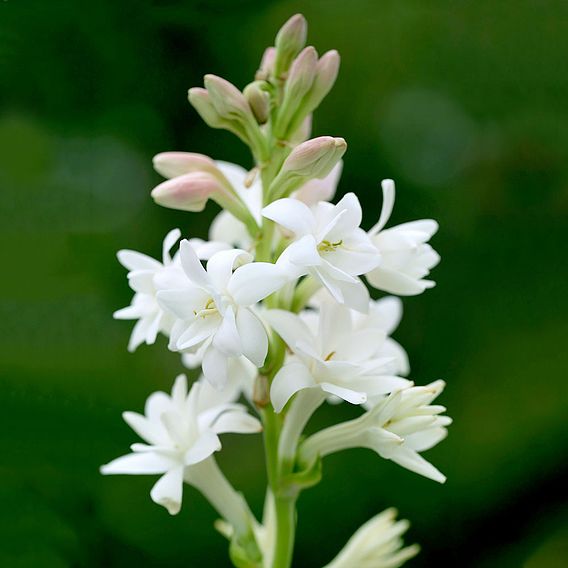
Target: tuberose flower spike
[{"x": 274, "y": 310}]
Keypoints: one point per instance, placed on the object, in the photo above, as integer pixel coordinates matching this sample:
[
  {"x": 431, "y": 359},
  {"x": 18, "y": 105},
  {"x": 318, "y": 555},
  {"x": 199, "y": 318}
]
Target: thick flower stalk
[{"x": 274, "y": 309}]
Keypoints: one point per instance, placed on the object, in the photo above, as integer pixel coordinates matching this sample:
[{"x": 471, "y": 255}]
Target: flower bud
[
  {"x": 313, "y": 159},
  {"x": 188, "y": 192},
  {"x": 298, "y": 84},
  {"x": 258, "y": 100},
  {"x": 289, "y": 41},
  {"x": 200, "y": 99},
  {"x": 266, "y": 64},
  {"x": 228, "y": 101},
  {"x": 174, "y": 164}
]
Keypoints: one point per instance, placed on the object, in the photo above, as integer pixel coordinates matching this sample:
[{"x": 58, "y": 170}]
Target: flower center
[
  {"x": 328, "y": 246},
  {"x": 210, "y": 309}
]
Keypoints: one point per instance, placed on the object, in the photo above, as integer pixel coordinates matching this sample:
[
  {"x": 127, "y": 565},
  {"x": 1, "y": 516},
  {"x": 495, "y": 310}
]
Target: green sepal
[
  {"x": 245, "y": 554},
  {"x": 308, "y": 476}
]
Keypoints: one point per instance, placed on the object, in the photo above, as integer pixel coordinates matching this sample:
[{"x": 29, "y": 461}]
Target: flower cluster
[{"x": 275, "y": 307}]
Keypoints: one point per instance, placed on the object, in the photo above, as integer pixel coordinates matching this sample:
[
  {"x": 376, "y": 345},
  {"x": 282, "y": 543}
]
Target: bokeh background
[{"x": 464, "y": 104}]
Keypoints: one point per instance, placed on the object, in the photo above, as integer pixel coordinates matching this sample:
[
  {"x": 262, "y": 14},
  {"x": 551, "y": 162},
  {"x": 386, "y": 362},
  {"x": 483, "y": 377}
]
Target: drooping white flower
[
  {"x": 181, "y": 430},
  {"x": 338, "y": 359},
  {"x": 377, "y": 544},
  {"x": 215, "y": 320},
  {"x": 330, "y": 246},
  {"x": 407, "y": 258},
  {"x": 398, "y": 428}
]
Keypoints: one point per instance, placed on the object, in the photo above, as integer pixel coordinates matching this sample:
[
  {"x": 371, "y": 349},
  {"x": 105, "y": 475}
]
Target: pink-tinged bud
[
  {"x": 258, "y": 99},
  {"x": 266, "y": 68},
  {"x": 188, "y": 192},
  {"x": 289, "y": 41},
  {"x": 302, "y": 74},
  {"x": 228, "y": 101},
  {"x": 327, "y": 69},
  {"x": 174, "y": 164},
  {"x": 315, "y": 158}
]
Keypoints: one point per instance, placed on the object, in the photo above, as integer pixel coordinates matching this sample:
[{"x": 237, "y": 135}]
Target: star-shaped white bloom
[
  {"x": 338, "y": 359},
  {"x": 398, "y": 427},
  {"x": 330, "y": 246},
  {"x": 215, "y": 320},
  {"x": 384, "y": 315},
  {"x": 377, "y": 544},
  {"x": 407, "y": 258},
  {"x": 181, "y": 431},
  {"x": 146, "y": 277}
]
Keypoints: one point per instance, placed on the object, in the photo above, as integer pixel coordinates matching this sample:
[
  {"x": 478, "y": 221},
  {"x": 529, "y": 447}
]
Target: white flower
[
  {"x": 398, "y": 428},
  {"x": 330, "y": 246},
  {"x": 214, "y": 319},
  {"x": 406, "y": 257},
  {"x": 377, "y": 544},
  {"x": 146, "y": 276},
  {"x": 384, "y": 315},
  {"x": 338, "y": 359},
  {"x": 181, "y": 431}
]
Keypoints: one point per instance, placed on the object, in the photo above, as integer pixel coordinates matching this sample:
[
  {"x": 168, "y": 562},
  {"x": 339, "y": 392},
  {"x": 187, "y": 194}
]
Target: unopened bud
[
  {"x": 228, "y": 101},
  {"x": 298, "y": 84},
  {"x": 266, "y": 68},
  {"x": 302, "y": 133},
  {"x": 326, "y": 74},
  {"x": 188, "y": 192},
  {"x": 313, "y": 159},
  {"x": 258, "y": 100},
  {"x": 174, "y": 164},
  {"x": 289, "y": 41},
  {"x": 200, "y": 99}
]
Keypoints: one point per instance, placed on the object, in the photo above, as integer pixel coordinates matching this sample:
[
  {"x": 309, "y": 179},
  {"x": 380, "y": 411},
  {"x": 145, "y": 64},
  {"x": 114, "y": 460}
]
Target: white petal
[
  {"x": 220, "y": 266},
  {"x": 133, "y": 260},
  {"x": 227, "y": 339},
  {"x": 253, "y": 336},
  {"x": 292, "y": 215},
  {"x": 215, "y": 367},
  {"x": 350, "y": 218},
  {"x": 415, "y": 462},
  {"x": 289, "y": 327},
  {"x": 139, "y": 331},
  {"x": 386, "y": 313},
  {"x": 422, "y": 441},
  {"x": 144, "y": 427},
  {"x": 192, "y": 266},
  {"x": 179, "y": 390},
  {"x": 138, "y": 464},
  {"x": 206, "y": 444},
  {"x": 168, "y": 490},
  {"x": 237, "y": 422},
  {"x": 388, "y": 204},
  {"x": 228, "y": 229},
  {"x": 255, "y": 281},
  {"x": 289, "y": 380},
  {"x": 171, "y": 239},
  {"x": 304, "y": 252},
  {"x": 396, "y": 282},
  {"x": 352, "y": 396},
  {"x": 182, "y": 303}
]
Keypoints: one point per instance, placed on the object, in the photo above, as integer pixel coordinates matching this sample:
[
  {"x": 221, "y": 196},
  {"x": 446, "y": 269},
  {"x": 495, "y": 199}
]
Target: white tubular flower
[
  {"x": 214, "y": 317},
  {"x": 406, "y": 257},
  {"x": 181, "y": 431},
  {"x": 397, "y": 428},
  {"x": 146, "y": 277},
  {"x": 384, "y": 315},
  {"x": 338, "y": 359},
  {"x": 377, "y": 544},
  {"x": 329, "y": 246}
]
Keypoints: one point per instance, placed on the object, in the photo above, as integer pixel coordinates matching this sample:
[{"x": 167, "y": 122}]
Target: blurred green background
[{"x": 464, "y": 104}]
